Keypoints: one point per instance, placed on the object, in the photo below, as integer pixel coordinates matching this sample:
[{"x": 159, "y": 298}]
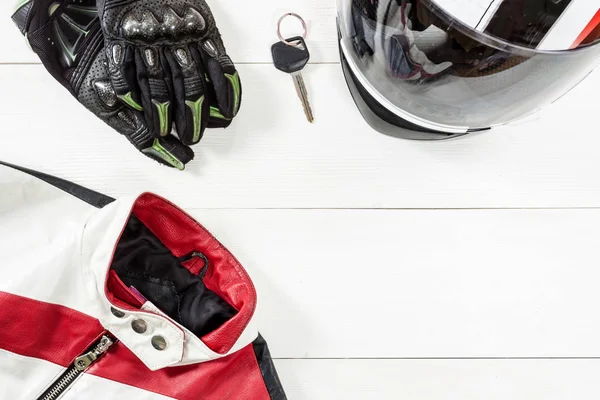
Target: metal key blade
[{"x": 303, "y": 95}]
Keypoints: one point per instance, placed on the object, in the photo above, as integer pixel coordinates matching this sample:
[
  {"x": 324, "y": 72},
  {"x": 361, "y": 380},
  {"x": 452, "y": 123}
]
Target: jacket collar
[{"x": 182, "y": 235}]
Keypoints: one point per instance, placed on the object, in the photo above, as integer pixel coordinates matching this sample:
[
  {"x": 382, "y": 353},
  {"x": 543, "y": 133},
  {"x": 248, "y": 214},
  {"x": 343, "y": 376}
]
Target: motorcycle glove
[
  {"x": 66, "y": 36},
  {"x": 167, "y": 60}
]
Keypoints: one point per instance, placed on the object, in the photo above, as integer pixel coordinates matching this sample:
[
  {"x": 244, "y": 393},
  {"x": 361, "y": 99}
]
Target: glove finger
[
  {"x": 169, "y": 151},
  {"x": 192, "y": 106},
  {"x": 215, "y": 118},
  {"x": 98, "y": 95},
  {"x": 224, "y": 79},
  {"x": 155, "y": 89},
  {"x": 121, "y": 64},
  {"x": 166, "y": 150}
]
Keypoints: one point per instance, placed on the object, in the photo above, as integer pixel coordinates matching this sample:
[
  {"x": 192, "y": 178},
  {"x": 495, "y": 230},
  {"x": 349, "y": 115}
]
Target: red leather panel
[
  {"x": 42, "y": 330},
  {"x": 235, "y": 377},
  {"x": 225, "y": 276},
  {"x": 119, "y": 294},
  {"x": 59, "y": 334}
]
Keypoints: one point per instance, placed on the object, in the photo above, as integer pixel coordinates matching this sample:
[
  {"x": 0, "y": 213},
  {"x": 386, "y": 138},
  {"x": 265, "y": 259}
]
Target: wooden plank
[
  {"x": 440, "y": 379},
  {"x": 453, "y": 283},
  {"x": 248, "y": 29},
  {"x": 272, "y": 158}
]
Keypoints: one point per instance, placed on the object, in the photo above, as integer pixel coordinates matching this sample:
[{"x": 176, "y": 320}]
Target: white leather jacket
[{"x": 134, "y": 300}]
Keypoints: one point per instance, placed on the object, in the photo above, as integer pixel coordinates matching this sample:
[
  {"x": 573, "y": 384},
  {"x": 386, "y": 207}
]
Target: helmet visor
[{"x": 435, "y": 70}]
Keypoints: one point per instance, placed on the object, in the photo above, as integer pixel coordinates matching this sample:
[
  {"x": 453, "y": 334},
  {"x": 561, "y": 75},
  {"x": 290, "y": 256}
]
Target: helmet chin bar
[{"x": 383, "y": 120}]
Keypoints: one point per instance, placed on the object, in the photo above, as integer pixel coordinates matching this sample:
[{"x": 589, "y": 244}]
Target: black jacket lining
[{"x": 141, "y": 260}]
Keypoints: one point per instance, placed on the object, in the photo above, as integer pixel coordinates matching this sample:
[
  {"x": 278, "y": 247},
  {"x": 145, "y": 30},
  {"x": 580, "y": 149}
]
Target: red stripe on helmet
[{"x": 587, "y": 31}]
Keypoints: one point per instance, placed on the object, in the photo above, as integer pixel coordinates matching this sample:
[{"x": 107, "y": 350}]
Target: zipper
[{"x": 79, "y": 366}]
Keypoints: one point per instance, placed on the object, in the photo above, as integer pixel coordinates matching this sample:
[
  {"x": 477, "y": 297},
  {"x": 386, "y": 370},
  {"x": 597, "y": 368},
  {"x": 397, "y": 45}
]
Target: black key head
[{"x": 288, "y": 58}]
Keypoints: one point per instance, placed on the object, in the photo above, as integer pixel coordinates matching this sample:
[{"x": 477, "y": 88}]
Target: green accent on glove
[
  {"x": 77, "y": 27},
  {"x": 65, "y": 48},
  {"x": 163, "y": 116},
  {"x": 237, "y": 90},
  {"x": 196, "y": 107},
  {"x": 159, "y": 151},
  {"x": 52, "y": 9},
  {"x": 216, "y": 113},
  {"x": 87, "y": 10},
  {"x": 28, "y": 42},
  {"x": 127, "y": 99}
]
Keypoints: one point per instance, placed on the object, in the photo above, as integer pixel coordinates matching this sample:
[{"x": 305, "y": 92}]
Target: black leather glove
[
  {"x": 167, "y": 60},
  {"x": 66, "y": 35}
]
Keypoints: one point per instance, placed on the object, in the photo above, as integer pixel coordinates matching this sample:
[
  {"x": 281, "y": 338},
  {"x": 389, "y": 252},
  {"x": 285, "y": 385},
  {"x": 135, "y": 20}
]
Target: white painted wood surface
[
  {"x": 272, "y": 158},
  {"x": 420, "y": 283},
  {"x": 387, "y": 269},
  {"x": 440, "y": 379}
]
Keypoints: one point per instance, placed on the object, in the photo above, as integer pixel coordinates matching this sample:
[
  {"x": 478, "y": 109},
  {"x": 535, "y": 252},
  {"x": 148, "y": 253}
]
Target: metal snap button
[
  {"x": 117, "y": 313},
  {"x": 139, "y": 325},
  {"x": 159, "y": 343}
]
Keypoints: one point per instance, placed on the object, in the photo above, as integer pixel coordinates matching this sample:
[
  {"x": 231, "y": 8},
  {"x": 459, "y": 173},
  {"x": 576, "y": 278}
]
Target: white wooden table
[{"x": 386, "y": 269}]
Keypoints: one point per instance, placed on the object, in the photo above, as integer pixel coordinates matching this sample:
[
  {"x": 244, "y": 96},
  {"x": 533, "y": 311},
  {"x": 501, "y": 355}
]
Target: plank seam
[
  {"x": 398, "y": 209},
  {"x": 434, "y": 358}
]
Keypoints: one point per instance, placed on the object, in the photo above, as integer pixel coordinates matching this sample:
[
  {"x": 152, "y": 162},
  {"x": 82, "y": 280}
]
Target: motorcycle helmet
[{"x": 433, "y": 69}]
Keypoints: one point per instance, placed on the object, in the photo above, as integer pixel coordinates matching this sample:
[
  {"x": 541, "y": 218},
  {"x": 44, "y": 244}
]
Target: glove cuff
[{"x": 21, "y": 15}]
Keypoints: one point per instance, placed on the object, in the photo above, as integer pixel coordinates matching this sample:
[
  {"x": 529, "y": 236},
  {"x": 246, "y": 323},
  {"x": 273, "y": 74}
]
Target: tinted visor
[{"x": 437, "y": 72}]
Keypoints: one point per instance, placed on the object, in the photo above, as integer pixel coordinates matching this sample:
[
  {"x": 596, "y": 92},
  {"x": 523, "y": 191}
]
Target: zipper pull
[{"x": 85, "y": 360}]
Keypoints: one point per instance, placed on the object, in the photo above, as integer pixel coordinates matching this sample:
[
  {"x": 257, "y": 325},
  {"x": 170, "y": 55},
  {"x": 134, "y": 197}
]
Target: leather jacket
[{"x": 120, "y": 299}]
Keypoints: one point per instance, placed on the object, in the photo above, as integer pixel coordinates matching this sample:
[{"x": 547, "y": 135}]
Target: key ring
[{"x": 284, "y": 16}]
